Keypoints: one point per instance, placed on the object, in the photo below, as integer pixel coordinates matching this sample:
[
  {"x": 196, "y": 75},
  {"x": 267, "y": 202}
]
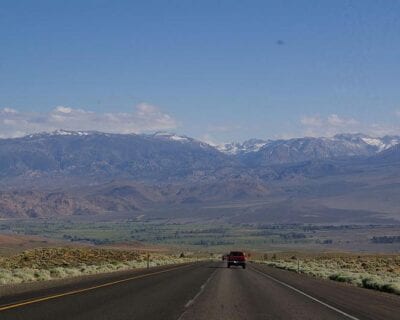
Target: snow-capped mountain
[
  {"x": 264, "y": 152},
  {"x": 383, "y": 143},
  {"x": 391, "y": 154},
  {"x": 378, "y": 144},
  {"x": 159, "y": 156}
]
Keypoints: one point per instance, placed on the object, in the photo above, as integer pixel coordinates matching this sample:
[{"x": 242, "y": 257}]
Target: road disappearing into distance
[{"x": 203, "y": 290}]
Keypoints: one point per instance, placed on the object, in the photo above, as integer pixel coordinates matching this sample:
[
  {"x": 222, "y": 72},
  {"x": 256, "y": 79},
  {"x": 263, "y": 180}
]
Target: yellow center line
[{"x": 55, "y": 296}]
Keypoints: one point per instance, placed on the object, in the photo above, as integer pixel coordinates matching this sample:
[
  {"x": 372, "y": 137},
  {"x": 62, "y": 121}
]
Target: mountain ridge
[{"x": 167, "y": 157}]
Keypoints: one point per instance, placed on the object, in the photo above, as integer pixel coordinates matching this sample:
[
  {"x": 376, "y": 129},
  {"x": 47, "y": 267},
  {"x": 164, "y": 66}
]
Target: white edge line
[
  {"x": 191, "y": 301},
  {"x": 306, "y": 295}
]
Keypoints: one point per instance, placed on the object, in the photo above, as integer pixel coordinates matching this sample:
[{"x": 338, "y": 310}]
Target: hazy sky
[{"x": 215, "y": 70}]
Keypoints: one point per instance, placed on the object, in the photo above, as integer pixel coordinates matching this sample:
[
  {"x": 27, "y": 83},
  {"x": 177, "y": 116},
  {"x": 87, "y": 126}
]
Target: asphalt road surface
[{"x": 206, "y": 290}]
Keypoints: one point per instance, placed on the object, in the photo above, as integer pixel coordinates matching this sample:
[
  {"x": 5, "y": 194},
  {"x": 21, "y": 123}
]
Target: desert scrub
[
  {"x": 59, "y": 263},
  {"x": 373, "y": 272},
  {"x": 45, "y": 258}
]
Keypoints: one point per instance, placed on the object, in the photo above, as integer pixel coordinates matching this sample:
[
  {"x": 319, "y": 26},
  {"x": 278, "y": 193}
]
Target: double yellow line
[{"x": 108, "y": 284}]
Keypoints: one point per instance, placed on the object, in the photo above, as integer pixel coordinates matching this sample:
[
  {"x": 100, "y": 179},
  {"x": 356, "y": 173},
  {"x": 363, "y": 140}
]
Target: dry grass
[
  {"x": 369, "y": 271},
  {"x": 57, "y": 263}
]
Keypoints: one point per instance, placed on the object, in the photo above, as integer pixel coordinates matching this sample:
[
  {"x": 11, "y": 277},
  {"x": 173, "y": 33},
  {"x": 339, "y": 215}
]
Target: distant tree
[{"x": 386, "y": 239}]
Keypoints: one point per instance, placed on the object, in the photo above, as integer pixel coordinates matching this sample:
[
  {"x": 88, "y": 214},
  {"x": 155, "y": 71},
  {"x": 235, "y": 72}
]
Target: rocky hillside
[{"x": 124, "y": 197}]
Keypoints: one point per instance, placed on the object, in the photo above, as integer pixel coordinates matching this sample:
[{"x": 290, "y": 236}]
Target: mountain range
[
  {"x": 164, "y": 157},
  {"x": 302, "y": 149},
  {"x": 80, "y": 173}
]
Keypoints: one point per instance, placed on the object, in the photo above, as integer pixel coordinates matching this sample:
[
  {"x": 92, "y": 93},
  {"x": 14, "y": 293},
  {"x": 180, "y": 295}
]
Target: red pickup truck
[{"x": 236, "y": 258}]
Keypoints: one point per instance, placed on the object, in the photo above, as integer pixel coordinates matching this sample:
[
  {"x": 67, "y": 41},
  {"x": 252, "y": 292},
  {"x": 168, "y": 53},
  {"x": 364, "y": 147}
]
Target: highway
[{"x": 204, "y": 290}]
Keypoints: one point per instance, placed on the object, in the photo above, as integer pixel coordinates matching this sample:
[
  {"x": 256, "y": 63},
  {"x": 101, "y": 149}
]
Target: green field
[{"x": 213, "y": 236}]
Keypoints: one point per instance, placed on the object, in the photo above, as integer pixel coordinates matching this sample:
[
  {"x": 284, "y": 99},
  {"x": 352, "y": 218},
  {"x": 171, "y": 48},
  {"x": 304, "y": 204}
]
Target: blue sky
[{"x": 215, "y": 70}]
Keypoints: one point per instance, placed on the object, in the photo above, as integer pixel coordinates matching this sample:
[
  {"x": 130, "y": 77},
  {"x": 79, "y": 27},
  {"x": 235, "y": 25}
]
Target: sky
[{"x": 218, "y": 71}]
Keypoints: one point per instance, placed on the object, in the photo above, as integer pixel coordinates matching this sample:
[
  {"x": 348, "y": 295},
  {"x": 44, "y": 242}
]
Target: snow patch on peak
[
  {"x": 61, "y": 132},
  {"x": 69, "y": 133},
  {"x": 373, "y": 142},
  {"x": 178, "y": 138},
  {"x": 382, "y": 143},
  {"x": 171, "y": 136},
  {"x": 252, "y": 145}
]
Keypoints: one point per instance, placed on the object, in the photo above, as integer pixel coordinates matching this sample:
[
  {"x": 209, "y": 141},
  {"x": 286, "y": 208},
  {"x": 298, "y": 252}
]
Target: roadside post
[{"x": 148, "y": 260}]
